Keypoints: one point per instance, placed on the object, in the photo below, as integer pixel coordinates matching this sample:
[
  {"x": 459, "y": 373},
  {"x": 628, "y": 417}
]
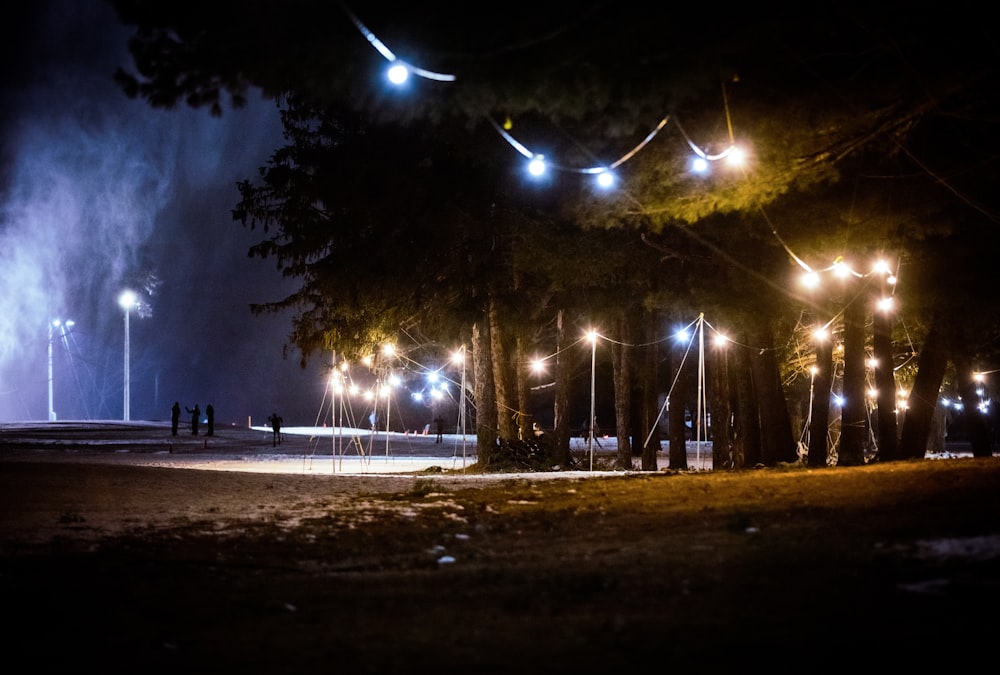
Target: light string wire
[
  {"x": 528, "y": 154},
  {"x": 391, "y": 57},
  {"x": 388, "y": 53}
]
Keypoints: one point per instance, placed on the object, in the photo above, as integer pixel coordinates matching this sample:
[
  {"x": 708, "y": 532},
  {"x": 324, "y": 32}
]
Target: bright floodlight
[
  {"x": 536, "y": 167},
  {"x": 398, "y": 73},
  {"x": 810, "y": 279},
  {"x": 127, "y": 300},
  {"x": 736, "y": 157},
  {"x": 699, "y": 165}
]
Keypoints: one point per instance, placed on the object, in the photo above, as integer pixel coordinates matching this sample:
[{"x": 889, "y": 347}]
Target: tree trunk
[
  {"x": 561, "y": 412},
  {"x": 777, "y": 439},
  {"x": 503, "y": 378},
  {"x": 746, "y": 435},
  {"x": 979, "y": 436},
  {"x": 853, "y": 427},
  {"x": 822, "y": 380},
  {"x": 486, "y": 409},
  {"x": 650, "y": 396},
  {"x": 676, "y": 429},
  {"x": 920, "y": 406},
  {"x": 885, "y": 384},
  {"x": 721, "y": 406},
  {"x": 622, "y": 377},
  {"x": 523, "y": 418}
]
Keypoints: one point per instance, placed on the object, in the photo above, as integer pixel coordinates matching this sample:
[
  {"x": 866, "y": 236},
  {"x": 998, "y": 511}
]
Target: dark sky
[{"x": 99, "y": 193}]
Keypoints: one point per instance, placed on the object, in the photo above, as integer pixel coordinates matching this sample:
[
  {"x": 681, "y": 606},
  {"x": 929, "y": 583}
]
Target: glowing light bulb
[
  {"x": 736, "y": 157},
  {"x": 398, "y": 73},
  {"x": 605, "y": 179},
  {"x": 536, "y": 167},
  {"x": 810, "y": 279},
  {"x": 699, "y": 165}
]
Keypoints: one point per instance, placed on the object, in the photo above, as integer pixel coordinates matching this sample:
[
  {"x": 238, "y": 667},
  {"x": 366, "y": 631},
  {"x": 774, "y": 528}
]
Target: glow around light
[
  {"x": 737, "y": 157},
  {"x": 398, "y": 73},
  {"x": 699, "y": 165},
  {"x": 128, "y": 300},
  {"x": 605, "y": 179},
  {"x": 536, "y": 167},
  {"x": 810, "y": 279}
]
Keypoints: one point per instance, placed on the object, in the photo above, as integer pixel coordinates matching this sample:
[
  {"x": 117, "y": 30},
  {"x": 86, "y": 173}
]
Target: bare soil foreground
[{"x": 114, "y": 567}]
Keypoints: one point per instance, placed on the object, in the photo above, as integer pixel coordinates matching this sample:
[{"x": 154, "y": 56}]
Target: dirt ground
[{"x": 113, "y": 567}]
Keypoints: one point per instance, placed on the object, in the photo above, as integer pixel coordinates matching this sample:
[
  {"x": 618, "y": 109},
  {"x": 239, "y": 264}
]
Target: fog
[{"x": 99, "y": 193}]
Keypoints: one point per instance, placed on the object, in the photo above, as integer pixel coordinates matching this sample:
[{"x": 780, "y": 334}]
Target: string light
[{"x": 400, "y": 70}]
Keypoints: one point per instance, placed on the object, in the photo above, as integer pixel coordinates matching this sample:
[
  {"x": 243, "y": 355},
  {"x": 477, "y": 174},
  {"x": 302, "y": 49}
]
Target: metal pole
[
  {"x": 52, "y": 412},
  {"x": 593, "y": 364},
  {"x": 126, "y": 417},
  {"x": 701, "y": 386}
]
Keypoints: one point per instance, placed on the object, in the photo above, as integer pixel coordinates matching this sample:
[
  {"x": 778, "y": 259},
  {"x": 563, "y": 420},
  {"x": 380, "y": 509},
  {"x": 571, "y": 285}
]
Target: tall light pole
[
  {"x": 592, "y": 336},
  {"x": 127, "y": 300},
  {"x": 62, "y": 326}
]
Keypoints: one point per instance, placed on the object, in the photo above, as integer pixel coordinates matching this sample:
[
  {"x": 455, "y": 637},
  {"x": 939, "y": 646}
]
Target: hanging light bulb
[
  {"x": 605, "y": 179},
  {"x": 398, "y": 73},
  {"x": 536, "y": 167}
]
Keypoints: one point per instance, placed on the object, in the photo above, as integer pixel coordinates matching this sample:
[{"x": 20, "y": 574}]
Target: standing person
[
  {"x": 440, "y": 429},
  {"x": 275, "y": 421},
  {"x": 195, "y": 414},
  {"x": 175, "y": 418},
  {"x": 210, "y": 420}
]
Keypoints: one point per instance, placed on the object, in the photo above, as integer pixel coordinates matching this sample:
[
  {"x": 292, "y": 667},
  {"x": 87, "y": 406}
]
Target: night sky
[{"x": 100, "y": 193}]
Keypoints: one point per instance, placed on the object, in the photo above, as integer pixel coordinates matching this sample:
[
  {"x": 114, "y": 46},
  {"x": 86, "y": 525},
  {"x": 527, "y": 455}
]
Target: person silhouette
[
  {"x": 195, "y": 414},
  {"x": 275, "y": 421},
  {"x": 440, "y": 429},
  {"x": 210, "y": 420},
  {"x": 175, "y": 418}
]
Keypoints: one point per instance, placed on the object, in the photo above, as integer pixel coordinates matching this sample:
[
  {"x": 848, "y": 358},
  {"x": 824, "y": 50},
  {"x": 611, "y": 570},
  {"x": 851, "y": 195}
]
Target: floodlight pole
[
  {"x": 52, "y": 412},
  {"x": 127, "y": 300}
]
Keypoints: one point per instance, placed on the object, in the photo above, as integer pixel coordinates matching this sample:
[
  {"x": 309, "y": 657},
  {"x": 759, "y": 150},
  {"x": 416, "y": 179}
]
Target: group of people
[{"x": 175, "y": 418}]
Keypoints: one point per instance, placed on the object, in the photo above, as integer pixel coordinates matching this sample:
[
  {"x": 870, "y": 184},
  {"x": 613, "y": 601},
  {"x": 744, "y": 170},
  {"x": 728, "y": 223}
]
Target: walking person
[
  {"x": 195, "y": 414},
  {"x": 275, "y": 421},
  {"x": 210, "y": 420},
  {"x": 440, "y": 429},
  {"x": 175, "y": 418}
]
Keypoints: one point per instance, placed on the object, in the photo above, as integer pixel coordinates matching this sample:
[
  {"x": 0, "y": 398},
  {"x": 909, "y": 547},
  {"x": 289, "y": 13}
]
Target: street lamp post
[
  {"x": 127, "y": 300},
  {"x": 62, "y": 326}
]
